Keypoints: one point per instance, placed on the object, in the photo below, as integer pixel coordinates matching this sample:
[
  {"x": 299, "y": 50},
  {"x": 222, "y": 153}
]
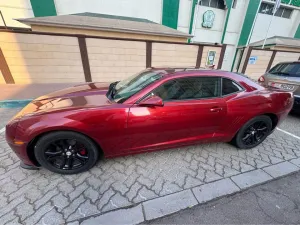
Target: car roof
[{"x": 192, "y": 71}]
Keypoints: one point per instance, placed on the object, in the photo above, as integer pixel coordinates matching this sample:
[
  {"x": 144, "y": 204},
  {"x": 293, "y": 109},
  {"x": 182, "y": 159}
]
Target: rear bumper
[{"x": 296, "y": 106}]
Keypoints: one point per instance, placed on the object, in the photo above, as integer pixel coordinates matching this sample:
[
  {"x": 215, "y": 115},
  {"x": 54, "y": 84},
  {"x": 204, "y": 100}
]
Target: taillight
[{"x": 261, "y": 79}]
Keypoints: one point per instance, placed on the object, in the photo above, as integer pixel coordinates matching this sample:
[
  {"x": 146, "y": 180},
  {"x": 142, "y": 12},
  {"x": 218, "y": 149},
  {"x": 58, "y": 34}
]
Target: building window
[
  {"x": 283, "y": 12},
  {"x": 219, "y": 4}
]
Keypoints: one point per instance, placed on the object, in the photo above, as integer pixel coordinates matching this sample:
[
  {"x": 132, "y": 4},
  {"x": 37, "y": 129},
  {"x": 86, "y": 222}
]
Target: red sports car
[{"x": 159, "y": 108}]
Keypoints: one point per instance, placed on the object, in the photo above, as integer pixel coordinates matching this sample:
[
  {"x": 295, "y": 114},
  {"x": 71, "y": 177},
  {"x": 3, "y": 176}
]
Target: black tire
[
  {"x": 241, "y": 139},
  {"x": 55, "y": 151}
]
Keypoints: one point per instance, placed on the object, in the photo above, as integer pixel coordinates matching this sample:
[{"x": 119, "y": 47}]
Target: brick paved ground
[{"x": 31, "y": 197}]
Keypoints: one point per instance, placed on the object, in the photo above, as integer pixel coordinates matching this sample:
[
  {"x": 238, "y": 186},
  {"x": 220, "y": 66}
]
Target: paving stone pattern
[{"x": 42, "y": 197}]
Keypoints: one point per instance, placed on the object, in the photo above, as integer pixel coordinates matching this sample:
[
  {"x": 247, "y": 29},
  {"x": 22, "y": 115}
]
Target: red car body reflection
[{"x": 129, "y": 128}]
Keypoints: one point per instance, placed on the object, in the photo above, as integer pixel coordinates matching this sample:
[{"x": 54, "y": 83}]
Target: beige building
[{"x": 94, "y": 24}]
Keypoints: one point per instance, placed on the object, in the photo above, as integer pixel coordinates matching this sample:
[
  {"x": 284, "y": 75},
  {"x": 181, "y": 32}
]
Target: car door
[{"x": 193, "y": 111}]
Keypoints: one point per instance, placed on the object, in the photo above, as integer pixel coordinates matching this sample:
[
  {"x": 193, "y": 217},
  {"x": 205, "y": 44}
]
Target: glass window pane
[
  {"x": 229, "y": 87},
  {"x": 287, "y": 13},
  {"x": 130, "y": 86},
  {"x": 266, "y": 8},
  {"x": 262, "y": 8},
  {"x": 189, "y": 88},
  {"x": 221, "y": 4},
  {"x": 214, "y": 3},
  {"x": 204, "y": 2},
  {"x": 234, "y": 4},
  {"x": 269, "y": 9},
  {"x": 279, "y": 12}
]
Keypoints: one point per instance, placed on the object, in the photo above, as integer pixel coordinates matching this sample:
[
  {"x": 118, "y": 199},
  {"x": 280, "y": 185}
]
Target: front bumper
[
  {"x": 28, "y": 167},
  {"x": 19, "y": 149},
  {"x": 21, "y": 152}
]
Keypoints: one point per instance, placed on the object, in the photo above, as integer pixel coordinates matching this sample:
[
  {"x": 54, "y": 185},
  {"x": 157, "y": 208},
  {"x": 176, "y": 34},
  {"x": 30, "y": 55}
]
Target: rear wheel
[
  {"x": 254, "y": 132},
  {"x": 66, "y": 152}
]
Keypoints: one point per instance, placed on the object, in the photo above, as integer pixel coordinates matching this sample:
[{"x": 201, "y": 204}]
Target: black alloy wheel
[
  {"x": 254, "y": 132},
  {"x": 66, "y": 152}
]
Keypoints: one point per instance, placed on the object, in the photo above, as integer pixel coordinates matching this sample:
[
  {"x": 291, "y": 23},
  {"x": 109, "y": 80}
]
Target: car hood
[{"x": 77, "y": 97}]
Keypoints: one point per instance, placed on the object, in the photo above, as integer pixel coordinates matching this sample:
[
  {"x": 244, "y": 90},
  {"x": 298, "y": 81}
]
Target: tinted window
[
  {"x": 189, "y": 88},
  {"x": 229, "y": 87},
  {"x": 286, "y": 69}
]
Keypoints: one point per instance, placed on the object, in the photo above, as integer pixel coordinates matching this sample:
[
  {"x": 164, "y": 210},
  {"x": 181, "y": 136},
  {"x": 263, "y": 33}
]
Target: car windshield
[
  {"x": 121, "y": 91},
  {"x": 286, "y": 69}
]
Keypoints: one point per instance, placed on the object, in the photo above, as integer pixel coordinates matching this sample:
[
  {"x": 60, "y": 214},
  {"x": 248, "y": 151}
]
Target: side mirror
[{"x": 153, "y": 100}]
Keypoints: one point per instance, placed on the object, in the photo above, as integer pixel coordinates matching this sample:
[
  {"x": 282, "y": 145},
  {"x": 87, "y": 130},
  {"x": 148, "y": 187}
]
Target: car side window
[
  {"x": 230, "y": 87},
  {"x": 189, "y": 88}
]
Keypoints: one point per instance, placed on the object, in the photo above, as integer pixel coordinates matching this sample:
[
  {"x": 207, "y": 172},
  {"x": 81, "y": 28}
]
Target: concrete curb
[
  {"x": 20, "y": 103},
  {"x": 169, "y": 204}
]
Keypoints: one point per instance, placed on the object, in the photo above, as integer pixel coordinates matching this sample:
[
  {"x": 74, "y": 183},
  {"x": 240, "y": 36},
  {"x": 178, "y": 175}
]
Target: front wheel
[
  {"x": 254, "y": 132},
  {"x": 66, "y": 152}
]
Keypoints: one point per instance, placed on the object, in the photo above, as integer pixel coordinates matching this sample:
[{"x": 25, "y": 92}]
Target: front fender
[{"x": 30, "y": 128}]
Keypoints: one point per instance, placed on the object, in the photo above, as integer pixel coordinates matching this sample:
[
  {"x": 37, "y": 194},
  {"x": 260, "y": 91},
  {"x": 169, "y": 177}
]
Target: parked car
[
  {"x": 285, "y": 76},
  {"x": 159, "y": 108}
]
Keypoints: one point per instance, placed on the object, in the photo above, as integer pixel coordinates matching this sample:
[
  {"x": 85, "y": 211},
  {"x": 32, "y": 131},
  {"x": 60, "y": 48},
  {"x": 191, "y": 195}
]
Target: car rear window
[{"x": 286, "y": 69}]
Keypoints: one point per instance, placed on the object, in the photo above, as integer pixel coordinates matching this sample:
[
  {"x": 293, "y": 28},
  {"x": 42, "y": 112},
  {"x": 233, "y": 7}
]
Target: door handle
[{"x": 216, "y": 109}]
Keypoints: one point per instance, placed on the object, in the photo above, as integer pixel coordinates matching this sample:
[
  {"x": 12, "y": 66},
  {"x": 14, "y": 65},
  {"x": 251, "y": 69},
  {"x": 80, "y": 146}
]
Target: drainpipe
[{"x": 194, "y": 3}]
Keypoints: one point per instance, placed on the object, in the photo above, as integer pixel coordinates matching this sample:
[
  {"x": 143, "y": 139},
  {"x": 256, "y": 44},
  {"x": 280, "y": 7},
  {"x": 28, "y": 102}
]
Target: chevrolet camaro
[{"x": 159, "y": 108}]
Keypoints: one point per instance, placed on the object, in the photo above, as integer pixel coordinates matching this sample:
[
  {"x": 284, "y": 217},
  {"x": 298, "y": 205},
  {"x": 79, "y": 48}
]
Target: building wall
[
  {"x": 256, "y": 70},
  {"x": 106, "y": 34},
  {"x": 212, "y": 35},
  {"x": 174, "y": 55},
  {"x": 112, "y": 60},
  {"x": 279, "y": 27},
  {"x": 146, "y": 9},
  {"x": 285, "y": 57},
  {"x": 15, "y": 9},
  {"x": 235, "y": 22},
  {"x": 279, "y": 48},
  {"x": 36, "y": 58},
  {"x": 47, "y": 59}
]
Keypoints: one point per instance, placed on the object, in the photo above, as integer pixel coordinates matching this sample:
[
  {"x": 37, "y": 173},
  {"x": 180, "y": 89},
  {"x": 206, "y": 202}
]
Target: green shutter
[
  {"x": 170, "y": 13},
  {"x": 297, "y": 34},
  {"x": 248, "y": 22},
  {"x": 43, "y": 8}
]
